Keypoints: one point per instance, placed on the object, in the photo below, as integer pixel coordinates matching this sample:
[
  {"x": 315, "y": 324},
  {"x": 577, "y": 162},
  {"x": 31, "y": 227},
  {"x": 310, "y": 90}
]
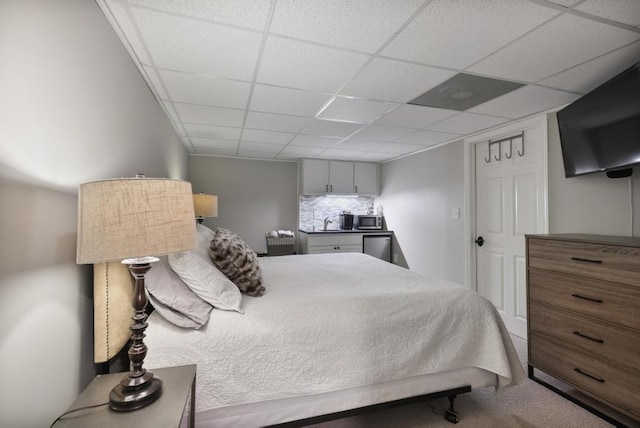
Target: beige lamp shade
[
  {"x": 205, "y": 205},
  {"x": 134, "y": 217}
]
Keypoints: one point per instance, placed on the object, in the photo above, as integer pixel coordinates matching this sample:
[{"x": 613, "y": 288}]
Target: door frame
[{"x": 470, "y": 185}]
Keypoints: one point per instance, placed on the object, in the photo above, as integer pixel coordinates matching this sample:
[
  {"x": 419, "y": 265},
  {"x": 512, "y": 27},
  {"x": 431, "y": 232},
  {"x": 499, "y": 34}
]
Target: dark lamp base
[{"x": 134, "y": 393}]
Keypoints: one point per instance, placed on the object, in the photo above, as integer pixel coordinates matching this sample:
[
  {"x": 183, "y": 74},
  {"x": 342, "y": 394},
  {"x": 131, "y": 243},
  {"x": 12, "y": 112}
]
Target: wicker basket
[{"x": 281, "y": 246}]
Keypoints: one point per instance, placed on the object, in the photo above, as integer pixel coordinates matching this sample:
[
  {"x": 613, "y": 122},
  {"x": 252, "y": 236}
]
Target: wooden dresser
[{"x": 583, "y": 302}]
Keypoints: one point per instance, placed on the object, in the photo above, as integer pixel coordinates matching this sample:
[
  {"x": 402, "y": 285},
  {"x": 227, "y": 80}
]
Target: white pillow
[
  {"x": 175, "y": 317},
  {"x": 173, "y": 299},
  {"x": 203, "y": 278},
  {"x": 205, "y": 233}
]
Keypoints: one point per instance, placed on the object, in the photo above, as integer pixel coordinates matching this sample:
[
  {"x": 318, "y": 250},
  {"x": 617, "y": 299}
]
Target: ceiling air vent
[{"x": 464, "y": 91}]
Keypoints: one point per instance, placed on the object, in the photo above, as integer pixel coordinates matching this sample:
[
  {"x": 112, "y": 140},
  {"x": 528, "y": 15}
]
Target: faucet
[{"x": 327, "y": 220}]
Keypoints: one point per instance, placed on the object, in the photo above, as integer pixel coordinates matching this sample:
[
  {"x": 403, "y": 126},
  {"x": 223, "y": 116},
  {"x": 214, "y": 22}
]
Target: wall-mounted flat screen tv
[{"x": 600, "y": 132}]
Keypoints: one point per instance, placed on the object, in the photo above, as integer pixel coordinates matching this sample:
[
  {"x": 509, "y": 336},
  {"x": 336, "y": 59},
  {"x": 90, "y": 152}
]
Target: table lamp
[
  {"x": 205, "y": 206},
  {"x": 132, "y": 220}
]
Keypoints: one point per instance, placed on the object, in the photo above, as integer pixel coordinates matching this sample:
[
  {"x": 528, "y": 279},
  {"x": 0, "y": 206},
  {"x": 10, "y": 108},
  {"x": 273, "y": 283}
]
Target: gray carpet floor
[{"x": 527, "y": 405}]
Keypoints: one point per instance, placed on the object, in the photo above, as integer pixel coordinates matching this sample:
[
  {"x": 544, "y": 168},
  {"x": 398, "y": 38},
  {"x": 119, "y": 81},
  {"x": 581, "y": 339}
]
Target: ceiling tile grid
[
  {"x": 477, "y": 28},
  {"x": 285, "y": 79},
  {"x": 566, "y": 41}
]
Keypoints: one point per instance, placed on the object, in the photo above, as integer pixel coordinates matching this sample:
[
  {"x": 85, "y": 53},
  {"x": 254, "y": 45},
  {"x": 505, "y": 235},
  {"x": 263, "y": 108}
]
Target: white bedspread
[{"x": 329, "y": 322}]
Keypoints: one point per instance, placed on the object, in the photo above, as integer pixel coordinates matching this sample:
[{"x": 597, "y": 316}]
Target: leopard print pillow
[{"x": 237, "y": 261}]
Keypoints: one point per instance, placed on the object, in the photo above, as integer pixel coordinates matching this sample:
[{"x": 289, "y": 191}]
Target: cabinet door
[
  {"x": 315, "y": 176},
  {"x": 365, "y": 178},
  {"x": 341, "y": 177},
  {"x": 334, "y": 243},
  {"x": 323, "y": 249}
]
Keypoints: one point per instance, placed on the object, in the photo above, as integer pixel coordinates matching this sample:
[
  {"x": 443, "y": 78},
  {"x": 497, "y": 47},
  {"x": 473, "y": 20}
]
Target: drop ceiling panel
[
  {"x": 355, "y": 110},
  {"x": 466, "y": 123},
  {"x": 214, "y": 143},
  {"x": 428, "y": 138},
  {"x": 209, "y": 131},
  {"x": 199, "y": 89},
  {"x": 525, "y": 101},
  {"x": 196, "y": 46},
  {"x": 243, "y": 13},
  {"x": 209, "y": 115},
  {"x": 437, "y": 36},
  {"x": 341, "y": 154},
  {"x": 329, "y": 128},
  {"x": 261, "y": 147},
  {"x": 213, "y": 151},
  {"x": 299, "y": 151},
  {"x": 314, "y": 141},
  {"x": 382, "y": 133},
  {"x": 376, "y": 157},
  {"x": 417, "y": 117},
  {"x": 588, "y": 76},
  {"x": 260, "y": 136},
  {"x": 274, "y": 122},
  {"x": 566, "y": 41},
  {"x": 626, "y": 11},
  {"x": 359, "y": 25},
  {"x": 359, "y": 144},
  {"x": 259, "y": 71},
  {"x": 388, "y": 79},
  {"x": 255, "y": 155},
  {"x": 301, "y": 65},
  {"x": 399, "y": 148},
  {"x": 295, "y": 102}
]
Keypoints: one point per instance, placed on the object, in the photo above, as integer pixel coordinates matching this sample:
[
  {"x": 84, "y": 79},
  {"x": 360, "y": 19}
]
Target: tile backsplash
[{"x": 314, "y": 209}]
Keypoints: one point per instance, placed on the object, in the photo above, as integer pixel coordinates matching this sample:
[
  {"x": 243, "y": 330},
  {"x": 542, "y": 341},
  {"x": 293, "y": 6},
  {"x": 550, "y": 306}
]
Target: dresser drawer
[
  {"x": 616, "y": 303},
  {"x": 611, "y": 344},
  {"x": 600, "y": 261},
  {"x": 617, "y": 388}
]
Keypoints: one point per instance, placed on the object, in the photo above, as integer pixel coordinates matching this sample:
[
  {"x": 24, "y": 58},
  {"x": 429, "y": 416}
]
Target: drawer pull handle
[
  {"x": 579, "y": 259},
  {"x": 577, "y": 333},
  {"x": 587, "y": 298},
  {"x": 583, "y": 373}
]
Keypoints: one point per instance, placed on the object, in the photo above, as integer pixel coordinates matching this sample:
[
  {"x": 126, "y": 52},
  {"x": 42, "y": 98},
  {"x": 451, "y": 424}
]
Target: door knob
[{"x": 480, "y": 241}]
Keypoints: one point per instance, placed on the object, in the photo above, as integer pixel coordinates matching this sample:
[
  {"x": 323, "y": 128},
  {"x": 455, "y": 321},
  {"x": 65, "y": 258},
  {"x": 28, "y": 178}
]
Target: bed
[{"x": 335, "y": 332}]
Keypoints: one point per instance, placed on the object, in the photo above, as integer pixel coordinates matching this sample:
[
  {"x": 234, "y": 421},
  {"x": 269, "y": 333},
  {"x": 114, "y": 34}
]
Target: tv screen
[{"x": 601, "y": 130}]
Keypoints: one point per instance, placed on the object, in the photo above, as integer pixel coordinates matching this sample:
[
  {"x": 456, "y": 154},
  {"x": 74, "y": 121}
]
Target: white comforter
[{"x": 329, "y": 322}]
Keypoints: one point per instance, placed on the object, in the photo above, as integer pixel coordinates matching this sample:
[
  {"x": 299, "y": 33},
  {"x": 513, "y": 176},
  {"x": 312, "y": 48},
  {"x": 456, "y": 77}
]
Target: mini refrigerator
[{"x": 378, "y": 246}]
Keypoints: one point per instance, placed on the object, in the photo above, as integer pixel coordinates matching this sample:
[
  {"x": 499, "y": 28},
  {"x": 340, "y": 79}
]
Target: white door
[{"x": 510, "y": 203}]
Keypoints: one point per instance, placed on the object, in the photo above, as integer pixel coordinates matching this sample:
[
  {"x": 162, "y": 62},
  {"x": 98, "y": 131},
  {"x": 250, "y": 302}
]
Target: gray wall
[
  {"x": 590, "y": 203},
  {"x": 419, "y": 193},
  {"x": 418, "y": 196},
  {"x": 254, "y": 196},
  {"x": 74, "y": 108}
]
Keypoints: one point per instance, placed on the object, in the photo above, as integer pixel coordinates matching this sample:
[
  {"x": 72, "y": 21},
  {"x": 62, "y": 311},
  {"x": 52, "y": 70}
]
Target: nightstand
[{"x": 166, "y": 411}]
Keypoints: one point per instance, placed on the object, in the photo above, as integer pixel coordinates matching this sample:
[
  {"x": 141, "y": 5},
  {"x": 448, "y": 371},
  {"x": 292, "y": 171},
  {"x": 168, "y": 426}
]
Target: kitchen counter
[
  {"x": 376, "y": 243},
  {"x": 324, "y": 232}
]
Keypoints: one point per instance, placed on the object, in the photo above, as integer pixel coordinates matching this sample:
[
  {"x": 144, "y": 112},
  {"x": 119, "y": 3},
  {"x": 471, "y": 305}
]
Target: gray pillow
[
  {"x": 237, "y": 261},
  {"x": 174, "y": 317},
  {"x": 173, "y": 299}
]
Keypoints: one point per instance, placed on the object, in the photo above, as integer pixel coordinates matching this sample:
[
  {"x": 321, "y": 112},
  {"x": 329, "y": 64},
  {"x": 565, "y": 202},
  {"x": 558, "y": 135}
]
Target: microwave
[{"x": 365, "y": 222}]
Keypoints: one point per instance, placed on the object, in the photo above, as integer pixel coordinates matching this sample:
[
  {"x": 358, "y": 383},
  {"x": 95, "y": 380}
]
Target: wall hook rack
[{"x": 499, "y": 143}]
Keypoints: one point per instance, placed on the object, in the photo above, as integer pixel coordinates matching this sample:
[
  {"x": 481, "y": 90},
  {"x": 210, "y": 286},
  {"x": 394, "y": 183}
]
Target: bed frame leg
[{"x": 450, "y": 414}]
